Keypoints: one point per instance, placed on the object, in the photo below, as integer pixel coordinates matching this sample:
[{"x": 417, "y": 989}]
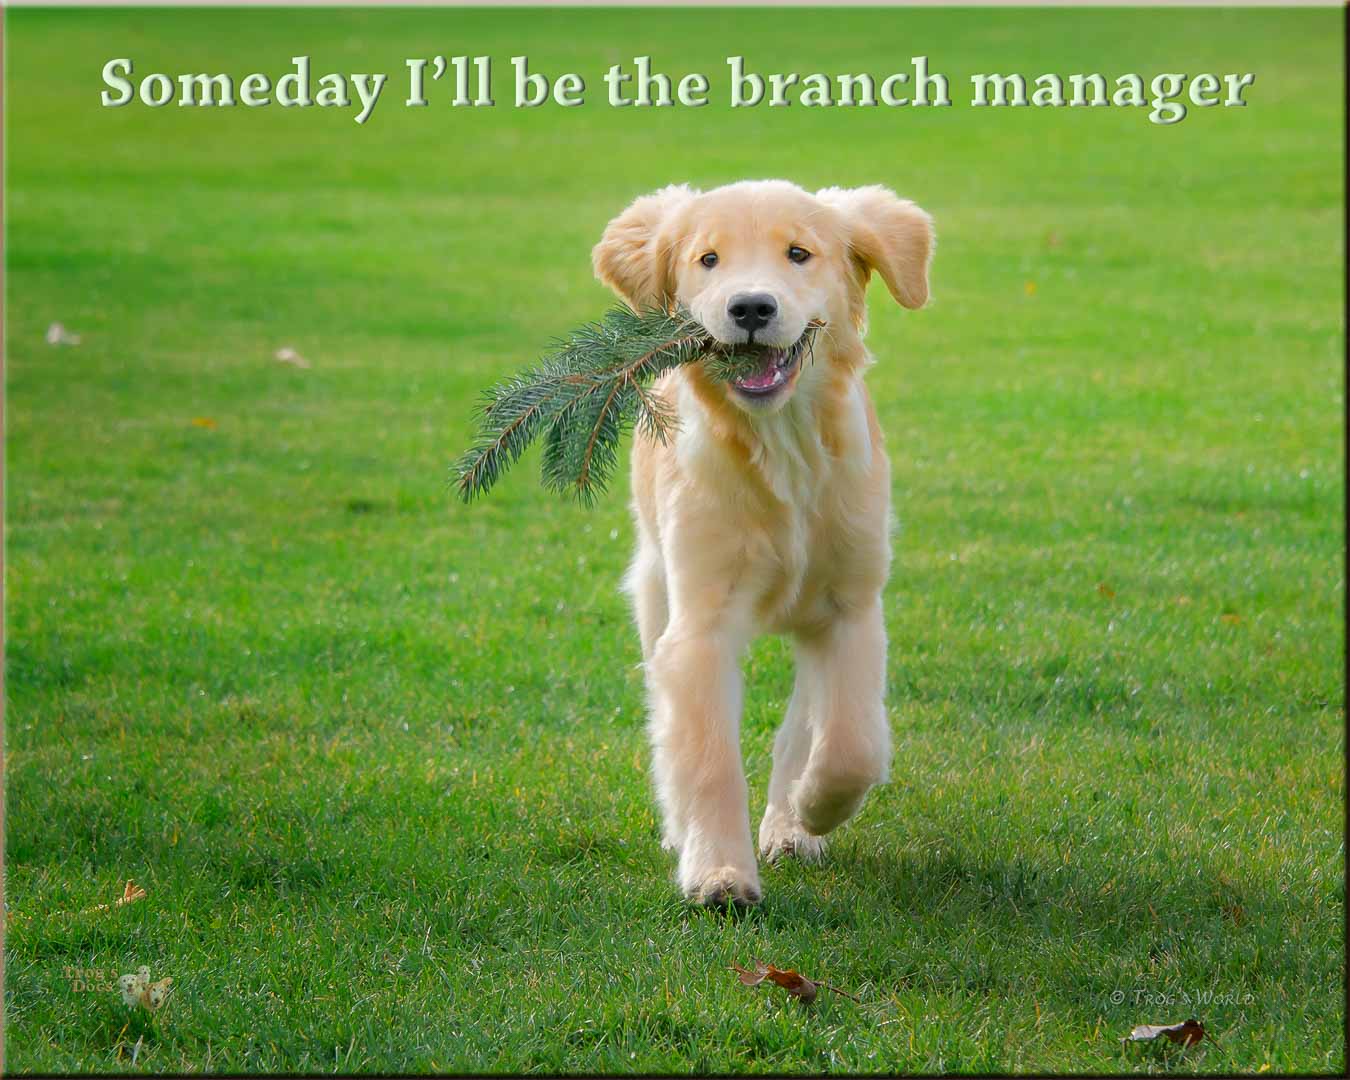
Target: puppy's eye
[
  {"x": 709, "y": 260},
  {"x": 798, "y": 254}
]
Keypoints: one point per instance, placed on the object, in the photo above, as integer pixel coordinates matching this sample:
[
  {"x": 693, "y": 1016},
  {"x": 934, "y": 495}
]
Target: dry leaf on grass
[
  {"x": 131, "y": 892},
  {"x": 287, "y": 355},
  {"x": 796, "y": 984},
  {"x": 203, "y": 422},
  {"x": 59, "y": 335},
  {"x": 1187, "y": 1033}
]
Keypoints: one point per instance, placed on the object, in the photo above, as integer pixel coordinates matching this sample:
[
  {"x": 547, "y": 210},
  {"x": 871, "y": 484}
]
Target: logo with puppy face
[{"x": 137, "y": 989}]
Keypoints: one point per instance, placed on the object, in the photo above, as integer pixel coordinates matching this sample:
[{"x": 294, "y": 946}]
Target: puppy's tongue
[
  {"x": 762, "y": 380},
  {"x": 765, "y": 377}
]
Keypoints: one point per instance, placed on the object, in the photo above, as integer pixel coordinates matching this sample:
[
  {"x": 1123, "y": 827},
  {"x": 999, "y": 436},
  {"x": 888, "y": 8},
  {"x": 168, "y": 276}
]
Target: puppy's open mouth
[
  {"x": 774, "y": 371},
  {"x": 760, "y": 371}
]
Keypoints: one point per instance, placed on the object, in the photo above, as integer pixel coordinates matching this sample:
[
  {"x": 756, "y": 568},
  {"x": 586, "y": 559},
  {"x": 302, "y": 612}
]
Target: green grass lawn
[{"x": 378, "y": 759}]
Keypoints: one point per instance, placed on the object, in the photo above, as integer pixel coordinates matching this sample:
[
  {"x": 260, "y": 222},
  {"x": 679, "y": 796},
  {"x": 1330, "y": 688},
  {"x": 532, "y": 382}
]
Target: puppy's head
[{"x": 758, "y": 262}]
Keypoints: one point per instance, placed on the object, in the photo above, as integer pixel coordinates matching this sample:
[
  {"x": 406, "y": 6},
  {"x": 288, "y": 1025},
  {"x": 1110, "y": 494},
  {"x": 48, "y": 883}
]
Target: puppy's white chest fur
[
  {"x": 787, "y": 456},
  {"x": 783, "y": 500},
  {"x": 790, "y": 455}
]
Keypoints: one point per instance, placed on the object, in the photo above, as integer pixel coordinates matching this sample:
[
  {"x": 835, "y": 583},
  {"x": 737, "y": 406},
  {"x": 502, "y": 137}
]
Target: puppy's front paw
[
  {"x": 783, "y": 836},
  {"x": 722, "y": 887}
]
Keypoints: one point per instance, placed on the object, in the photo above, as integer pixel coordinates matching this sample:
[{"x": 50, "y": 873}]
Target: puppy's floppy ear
[
  {"x": 889, "y": 235},
  {"x": 633, "y": 256}
]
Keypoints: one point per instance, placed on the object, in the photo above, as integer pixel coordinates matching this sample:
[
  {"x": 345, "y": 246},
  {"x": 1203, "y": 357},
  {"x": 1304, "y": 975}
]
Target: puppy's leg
[
  {"x": 694, "y": 680},
  {"x": 845, "y": 666},
  {"x": 781, "y": 832},
  {"x": 645, "y": 584}
]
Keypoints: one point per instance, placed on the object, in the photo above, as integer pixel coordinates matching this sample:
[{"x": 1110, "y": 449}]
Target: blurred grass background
[{"x": 378, "y": 759}]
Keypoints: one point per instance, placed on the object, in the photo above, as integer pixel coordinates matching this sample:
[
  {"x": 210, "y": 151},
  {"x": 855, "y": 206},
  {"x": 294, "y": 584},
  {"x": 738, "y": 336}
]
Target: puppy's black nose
[{"x": 751, "y": 311}]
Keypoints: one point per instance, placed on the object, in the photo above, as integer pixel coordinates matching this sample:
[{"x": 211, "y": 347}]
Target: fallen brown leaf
[
  {"x": 750, "y": 978},
  {"x": 796, "y": 984},
  {"x": 1106, "y": 591},
  {"x": 203, "y": 422},
  {"x": 1187, "y": 1033},
  {"x": 1232, "y": 618},
  {"x": 131, "y": 892}
]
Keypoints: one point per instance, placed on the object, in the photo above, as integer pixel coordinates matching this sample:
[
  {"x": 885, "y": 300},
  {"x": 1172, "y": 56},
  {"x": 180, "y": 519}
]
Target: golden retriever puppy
[{"x": 767, "y": 511}]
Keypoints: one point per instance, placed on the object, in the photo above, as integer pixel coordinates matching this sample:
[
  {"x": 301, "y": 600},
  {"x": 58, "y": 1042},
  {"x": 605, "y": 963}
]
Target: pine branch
[{"x": 590, "y": 391}]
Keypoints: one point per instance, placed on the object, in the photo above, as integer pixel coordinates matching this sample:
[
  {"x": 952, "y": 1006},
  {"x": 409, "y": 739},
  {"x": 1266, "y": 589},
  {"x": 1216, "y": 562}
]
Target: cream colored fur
[{"x": 764, "y": 516}]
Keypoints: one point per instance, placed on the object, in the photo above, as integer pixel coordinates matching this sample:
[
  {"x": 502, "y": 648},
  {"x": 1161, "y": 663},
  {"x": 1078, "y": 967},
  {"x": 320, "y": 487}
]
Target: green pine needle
[{"x": 586, "y": 395}]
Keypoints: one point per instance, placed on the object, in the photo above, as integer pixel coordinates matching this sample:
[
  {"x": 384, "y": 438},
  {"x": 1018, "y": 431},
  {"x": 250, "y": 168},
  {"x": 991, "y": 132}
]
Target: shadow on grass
[{"x": 1020, "y": 891}]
